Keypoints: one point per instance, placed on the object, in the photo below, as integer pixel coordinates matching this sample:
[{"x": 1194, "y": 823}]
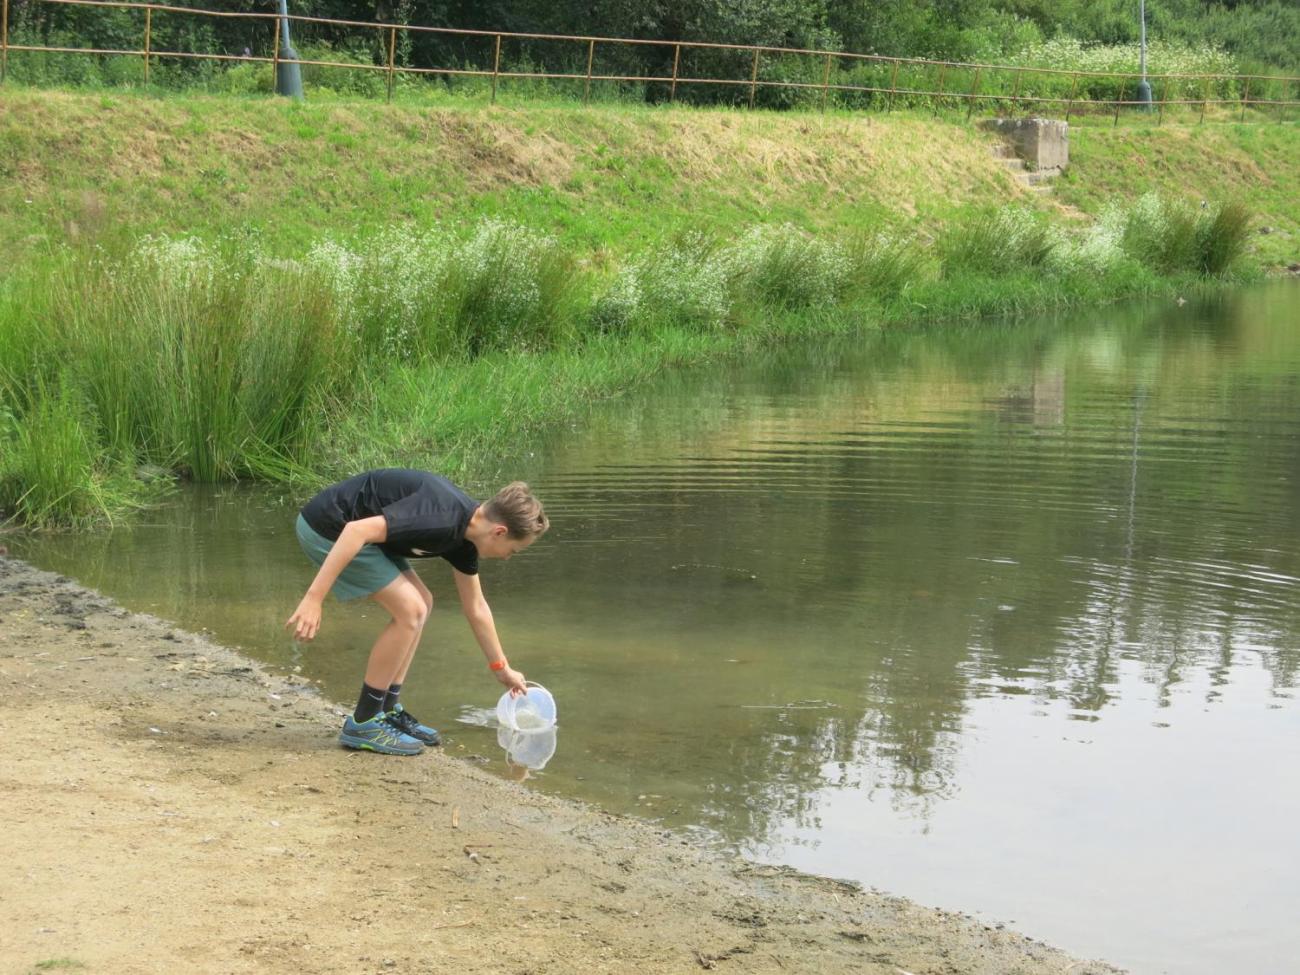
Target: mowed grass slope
[
  {"x": 78, "y": 165},
  {"x": 87, "y": 166}
]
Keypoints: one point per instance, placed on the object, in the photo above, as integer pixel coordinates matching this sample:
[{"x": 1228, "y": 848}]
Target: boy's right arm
[{"x": 305, "y": 620}]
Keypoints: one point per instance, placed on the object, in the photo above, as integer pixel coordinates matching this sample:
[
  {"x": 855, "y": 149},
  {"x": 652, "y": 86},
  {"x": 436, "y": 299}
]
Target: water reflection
[
  {"x": 528, "y": 750},
  {"x": 1001, "y": 618}
]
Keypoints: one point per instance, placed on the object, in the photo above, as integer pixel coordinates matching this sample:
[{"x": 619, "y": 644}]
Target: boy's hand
[
  {"x": 513, "y": 680},
  {"x": 305, "y": 620}
]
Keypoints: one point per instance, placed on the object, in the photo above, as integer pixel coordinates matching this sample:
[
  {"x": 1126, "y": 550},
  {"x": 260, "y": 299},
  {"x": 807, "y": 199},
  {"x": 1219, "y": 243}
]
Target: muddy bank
[{"x": 169, "y": 805}]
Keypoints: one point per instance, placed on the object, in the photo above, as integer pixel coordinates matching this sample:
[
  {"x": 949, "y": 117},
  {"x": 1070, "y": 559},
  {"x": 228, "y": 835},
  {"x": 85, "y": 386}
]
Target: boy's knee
[{"x": 412, "y": 613}]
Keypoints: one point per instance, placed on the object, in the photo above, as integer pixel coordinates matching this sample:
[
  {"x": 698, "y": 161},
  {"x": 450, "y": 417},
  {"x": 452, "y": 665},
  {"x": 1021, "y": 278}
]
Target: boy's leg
[
  {"x": 427, "y": 596},
  {"x": 391, "y": 652},
  {"x": 368, "y": 727},
  {"x": 399, "y": 716}
]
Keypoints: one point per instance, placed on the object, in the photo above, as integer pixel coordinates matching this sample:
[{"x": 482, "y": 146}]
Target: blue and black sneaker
[
  {"x": 378, "y": 735},
  {"x": 405, "y": 722}
]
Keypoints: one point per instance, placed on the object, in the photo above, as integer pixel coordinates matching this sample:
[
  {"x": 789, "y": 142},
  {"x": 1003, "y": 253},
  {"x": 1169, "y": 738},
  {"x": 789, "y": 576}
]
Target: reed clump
[
  {"x": 201, "y": 361},
  {"x": 1175, "y": 235}
]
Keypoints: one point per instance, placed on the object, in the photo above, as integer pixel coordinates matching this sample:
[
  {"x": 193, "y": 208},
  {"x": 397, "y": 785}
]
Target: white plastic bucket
[{"x": 529, "y": 713}]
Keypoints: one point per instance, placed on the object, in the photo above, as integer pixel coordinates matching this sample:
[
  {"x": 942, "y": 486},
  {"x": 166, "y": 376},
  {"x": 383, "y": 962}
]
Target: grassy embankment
[{"x": 335, "y": 285}]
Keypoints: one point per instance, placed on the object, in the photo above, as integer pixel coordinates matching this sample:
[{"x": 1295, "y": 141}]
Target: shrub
[
  {"x": 386, "y": 291},
  {"x": 366, "y": 81},
  {"x": 1163, "y": 58},
  {"x": 505, "y": 286},
  {"x": 1174, "y": 236},
  {"x": 683, "y": 282},
  {"x": 786, "y": 268},
  {"x": 882, "y": 265},
  {"x": 997, "y": 242},
  {"x": 1221, "y": 238}
]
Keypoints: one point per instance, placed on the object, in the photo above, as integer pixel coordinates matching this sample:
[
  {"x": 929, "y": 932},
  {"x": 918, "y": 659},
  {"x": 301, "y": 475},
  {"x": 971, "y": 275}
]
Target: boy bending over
[{"x": 361, "y": 532}]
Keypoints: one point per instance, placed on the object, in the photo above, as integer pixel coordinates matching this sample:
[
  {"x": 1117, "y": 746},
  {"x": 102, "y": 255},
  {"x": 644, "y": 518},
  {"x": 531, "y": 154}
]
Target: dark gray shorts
[{"x": 365, "y": 575}]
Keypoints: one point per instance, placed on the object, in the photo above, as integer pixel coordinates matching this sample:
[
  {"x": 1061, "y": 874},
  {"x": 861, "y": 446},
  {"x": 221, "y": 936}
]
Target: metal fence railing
[{"x": 865, "y": 80}]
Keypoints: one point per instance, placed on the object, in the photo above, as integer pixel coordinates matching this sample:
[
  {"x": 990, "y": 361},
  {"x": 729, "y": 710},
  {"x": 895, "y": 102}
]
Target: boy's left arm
[{"x": 479, "y": 614}]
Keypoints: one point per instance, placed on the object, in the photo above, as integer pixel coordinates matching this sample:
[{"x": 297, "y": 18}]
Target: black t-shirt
[{"x": 426, "y": 514}]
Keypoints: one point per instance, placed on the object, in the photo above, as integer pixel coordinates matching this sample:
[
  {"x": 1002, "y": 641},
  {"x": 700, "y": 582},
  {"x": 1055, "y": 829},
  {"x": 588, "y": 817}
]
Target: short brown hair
[{"x": 515, "y": 507}]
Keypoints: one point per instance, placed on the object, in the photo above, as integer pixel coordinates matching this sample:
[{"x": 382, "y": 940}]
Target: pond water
[{"x": 1003, "y": 618}]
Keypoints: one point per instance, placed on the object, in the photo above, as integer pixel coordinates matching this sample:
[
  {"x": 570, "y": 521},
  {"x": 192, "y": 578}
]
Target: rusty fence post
[
  {"x": 1205, "y": 98},
  {"x": 1074, "y": 89},
  {"x": 753, "y": 80},
  {"x": 826, "y": 81},
  {"x": 1245, "y": 100},
  {"x": 938, "y": 98},
  {"x": 974, "y": 90},
  {"x": 591, "y": 55},
  {"x": 893, "y": 86},
  {"x": 677, "y": 59},
  {"x": 496, "y": 68},
  {"x": 148, "y": 36},
  {"x": 275, "y": 51},
  {"x": 1015, "y": 93},
  {"x": 392, "y": 59},
  {"x": 1123, "y": 85},
  {"x": 1160, "y": 105}
]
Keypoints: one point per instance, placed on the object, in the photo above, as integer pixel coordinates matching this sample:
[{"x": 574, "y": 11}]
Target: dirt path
[{"x": 170, "y": 806}]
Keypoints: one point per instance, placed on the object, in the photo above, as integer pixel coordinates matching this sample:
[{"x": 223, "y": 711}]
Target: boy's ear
[{"x": 499, "y": 529}]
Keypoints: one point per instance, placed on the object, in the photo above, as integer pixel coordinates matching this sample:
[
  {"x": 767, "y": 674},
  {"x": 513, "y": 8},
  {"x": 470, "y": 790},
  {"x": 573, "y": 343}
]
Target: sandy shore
[{"x": 171, "y": 806}]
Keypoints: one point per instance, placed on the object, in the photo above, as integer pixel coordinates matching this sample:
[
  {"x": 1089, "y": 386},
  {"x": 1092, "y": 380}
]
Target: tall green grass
[
  {"x": 51, "y": 468},
  {"x": 209, "y": 365},
  {"x": 215, "y": 361}
]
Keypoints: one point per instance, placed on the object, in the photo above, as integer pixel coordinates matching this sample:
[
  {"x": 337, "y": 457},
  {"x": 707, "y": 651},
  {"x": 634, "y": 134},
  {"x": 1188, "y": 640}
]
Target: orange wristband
[{"x": 497, "y": 665}]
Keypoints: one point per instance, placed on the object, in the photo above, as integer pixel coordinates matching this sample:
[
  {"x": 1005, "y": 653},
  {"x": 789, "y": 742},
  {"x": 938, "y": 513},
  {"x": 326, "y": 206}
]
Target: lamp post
[
  {"x": 1144, "y": 86},
  {"x": 288, "y": 76}
]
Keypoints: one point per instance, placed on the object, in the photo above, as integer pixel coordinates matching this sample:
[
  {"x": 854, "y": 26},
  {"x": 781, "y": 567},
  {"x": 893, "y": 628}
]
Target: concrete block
[{"x": 1044, "y": 143}]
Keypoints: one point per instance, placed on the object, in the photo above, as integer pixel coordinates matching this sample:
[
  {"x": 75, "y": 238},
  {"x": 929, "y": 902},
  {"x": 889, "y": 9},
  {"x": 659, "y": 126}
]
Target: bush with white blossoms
[
  {"x": 1098, "y": 247},
  {"x": 180, "y": 262},
  {"x": 1145, "y": 222},
  {"x": 408, "y": 293},
  {"x": 784, "y": 266},
  {"x": 498, "y": 283},
  {"x": 685, "y": 283},
  {"x": 387, "y": 288},
  {"x": 1163, "y": 58},
  {"x": 994, "y": 242},
  {"x": 621, "y": 306}
]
